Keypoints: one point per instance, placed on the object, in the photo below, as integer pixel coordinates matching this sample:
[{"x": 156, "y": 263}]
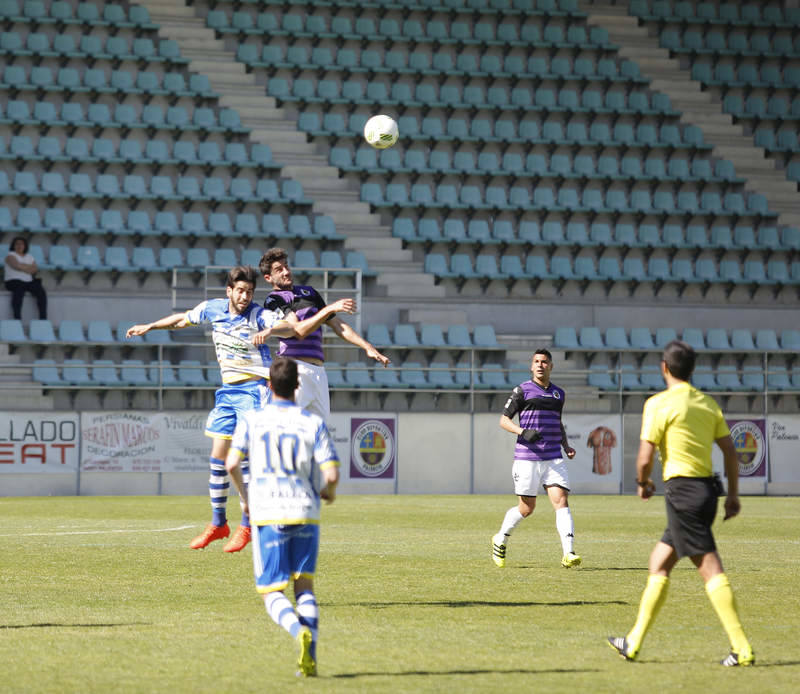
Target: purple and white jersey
[
  {"x": 538, "y": 408},
  {"x": 305, "y": 302}
]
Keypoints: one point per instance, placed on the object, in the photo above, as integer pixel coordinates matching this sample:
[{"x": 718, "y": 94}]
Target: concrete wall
[{"x": 436, "y": 454}]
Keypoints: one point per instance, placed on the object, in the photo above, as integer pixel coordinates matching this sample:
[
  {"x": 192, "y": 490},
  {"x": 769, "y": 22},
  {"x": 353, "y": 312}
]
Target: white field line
[{"x": 101, "y": 532}]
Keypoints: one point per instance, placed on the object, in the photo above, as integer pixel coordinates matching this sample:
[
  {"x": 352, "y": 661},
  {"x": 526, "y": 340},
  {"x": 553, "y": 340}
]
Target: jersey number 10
[{"x": 280, "y": 451}]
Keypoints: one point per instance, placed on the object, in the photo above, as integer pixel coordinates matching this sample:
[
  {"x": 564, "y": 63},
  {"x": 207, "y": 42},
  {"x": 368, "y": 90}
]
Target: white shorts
[
  {"x": 312, "y": 389},
  {"x": 529, "y": 474}
]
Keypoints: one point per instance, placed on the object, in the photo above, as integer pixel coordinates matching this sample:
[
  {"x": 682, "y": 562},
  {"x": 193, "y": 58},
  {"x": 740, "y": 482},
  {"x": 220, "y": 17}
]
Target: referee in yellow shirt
[{"x": 683, "y": 423}]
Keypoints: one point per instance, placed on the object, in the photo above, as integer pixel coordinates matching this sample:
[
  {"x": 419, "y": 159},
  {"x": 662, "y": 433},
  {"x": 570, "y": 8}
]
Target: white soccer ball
[{"x": 381, "y": 132}]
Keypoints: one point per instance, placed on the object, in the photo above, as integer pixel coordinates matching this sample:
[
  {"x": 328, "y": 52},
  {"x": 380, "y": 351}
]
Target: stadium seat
[
  {"x": 616, "y": 338},
  {"x": 440, "y": 375},
  {"x": 412, "y": 375},
  {"x": 75, "y": 372},
  {"x": 601, "y": 377},
  {"x": 728, "y": 378},
  {"x": 484, "y": 336},
  {"x": 767, "y": 339},
  {"x": 405, "y": 335},
  {"x": 191, "y": 373},
  {"x": 11, "y": 330},
  {"x": 704, "y": 378},
  {"x": 591, "y": 338},
  {"x": 778, "y": 377},
  {"x": 459, "y": 336},
  {"x": 358, "y": 375},
  {"x": 742, "y": 339},
  {"x": 99, "y": 331}
]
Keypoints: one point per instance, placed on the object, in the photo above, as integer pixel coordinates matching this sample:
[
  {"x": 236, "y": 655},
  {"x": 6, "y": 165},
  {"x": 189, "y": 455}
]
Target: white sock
[
  {"x": 511, "y": 521},
  {"x": 280, "y": 609},
  {"x": 308, "y": 614},
  {"x": 566, "y": 529}
]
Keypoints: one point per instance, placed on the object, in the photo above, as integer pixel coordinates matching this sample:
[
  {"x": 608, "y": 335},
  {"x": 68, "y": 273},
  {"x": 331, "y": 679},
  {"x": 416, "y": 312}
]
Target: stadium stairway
[
  {"x": 23, "y": 397},
  {"x": 397, "y": 274},
  {"x": 697, "y": 107}
]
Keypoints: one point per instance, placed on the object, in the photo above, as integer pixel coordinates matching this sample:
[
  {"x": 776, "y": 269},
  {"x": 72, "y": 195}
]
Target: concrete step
[
  {"x": 413, "y": 290},
  {"x": 377, "y": 256},
  {"x": 376, "y": 242},
  {"x": 444, "y": 317},
  {"x": 322, "y": 172},
  {"x": 26, "y": 398}
]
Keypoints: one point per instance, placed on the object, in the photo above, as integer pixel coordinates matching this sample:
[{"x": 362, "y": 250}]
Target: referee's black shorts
[{"x": 691, "y": 509}]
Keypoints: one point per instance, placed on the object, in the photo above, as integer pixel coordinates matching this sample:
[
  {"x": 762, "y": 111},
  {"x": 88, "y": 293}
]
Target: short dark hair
[
  {"x": 283, "y": 377},
  {"x": 242, "y": 273},
  {"x": 272, "y": 256},
  {"x": 544, "y": 351},
  {"x": 18, "y": 238},
  {"x": 679, "y": 358}
]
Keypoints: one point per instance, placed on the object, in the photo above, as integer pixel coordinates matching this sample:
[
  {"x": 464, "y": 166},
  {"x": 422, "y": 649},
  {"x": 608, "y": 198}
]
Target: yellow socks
[
  {"x": 652, "y": 599},
  {"x": 720, "y": 594}
]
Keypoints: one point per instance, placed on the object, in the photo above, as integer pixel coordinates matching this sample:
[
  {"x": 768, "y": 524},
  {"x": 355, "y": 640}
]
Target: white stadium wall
[{"x": 149, "y": 453}]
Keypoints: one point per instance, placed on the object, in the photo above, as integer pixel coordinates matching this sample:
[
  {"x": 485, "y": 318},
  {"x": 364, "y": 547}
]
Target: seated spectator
[{"x": 20, "y": 277}]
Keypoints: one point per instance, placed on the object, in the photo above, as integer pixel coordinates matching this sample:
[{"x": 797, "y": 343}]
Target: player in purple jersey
[
  {"x": 301, "y": 303},
  {"x": 537, "y": 456}
]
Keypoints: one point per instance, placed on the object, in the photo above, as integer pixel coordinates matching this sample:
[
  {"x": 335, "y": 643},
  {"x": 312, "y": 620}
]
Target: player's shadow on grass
[
  {"x": 583, "y": 569},
  {"x": 53, "y": 625},
  {"x": 478, "y": 603},
  {"x": 476, "y": 671}
]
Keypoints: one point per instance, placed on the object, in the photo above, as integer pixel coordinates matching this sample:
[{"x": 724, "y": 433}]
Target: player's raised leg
[
  {"x": 241, "y": 538},
  {"x": 218, "y": 486}
]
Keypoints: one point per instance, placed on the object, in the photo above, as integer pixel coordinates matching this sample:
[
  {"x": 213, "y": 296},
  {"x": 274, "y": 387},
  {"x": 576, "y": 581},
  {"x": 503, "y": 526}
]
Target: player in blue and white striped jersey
[
  {"x": 289, "y": 450},
  {"x": 537, "y": 456},
  {"x": 244, "y": 362}
]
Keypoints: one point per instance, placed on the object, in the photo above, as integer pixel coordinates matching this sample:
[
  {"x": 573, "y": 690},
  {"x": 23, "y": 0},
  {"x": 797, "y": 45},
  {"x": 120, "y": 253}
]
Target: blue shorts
[
  {"x": 281, "y": 552},
  {"x": 229, "y": 401}
]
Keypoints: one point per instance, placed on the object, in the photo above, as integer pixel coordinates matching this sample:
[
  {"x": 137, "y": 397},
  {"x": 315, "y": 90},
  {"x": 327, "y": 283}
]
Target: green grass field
[{"x": 103, "y": 595}]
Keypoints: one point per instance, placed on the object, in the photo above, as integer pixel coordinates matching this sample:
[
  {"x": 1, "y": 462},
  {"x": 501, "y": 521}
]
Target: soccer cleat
[
  {"x": 498, "y": 551},
  {"x": 570, "y": 559},
  {"x": 736, "y": 660},
  {"x": 620, "y": 645},
  {"x": 240, "y": 540},
  {"x": 308, "y": 668},
  {"x": 211, "y": 533}
]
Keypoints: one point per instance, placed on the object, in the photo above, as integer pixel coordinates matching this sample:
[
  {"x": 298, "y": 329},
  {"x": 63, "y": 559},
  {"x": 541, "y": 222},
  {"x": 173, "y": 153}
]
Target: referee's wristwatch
[{"x": 641, "y": 484}]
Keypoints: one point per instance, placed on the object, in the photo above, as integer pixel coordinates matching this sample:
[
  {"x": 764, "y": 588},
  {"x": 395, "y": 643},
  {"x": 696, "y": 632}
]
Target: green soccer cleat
[
  {"x": 498, "y": 551},
  {"x": 570, "y": 559},
  {"x": 738, "y": 659},
  {"x": 620, "y": 645},
  {"x": 308, "y": 668}
]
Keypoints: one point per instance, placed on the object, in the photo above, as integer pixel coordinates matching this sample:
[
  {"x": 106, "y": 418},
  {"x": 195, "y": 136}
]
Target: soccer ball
[{"x": 381, "y": 132}]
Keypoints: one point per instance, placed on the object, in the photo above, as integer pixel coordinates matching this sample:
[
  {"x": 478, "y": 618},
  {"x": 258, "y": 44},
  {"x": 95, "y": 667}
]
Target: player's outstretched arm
[
  {"x": 173, "y": 322},
  {"x": 305, "y": 327},
  {"x": 347, "y": 333}
]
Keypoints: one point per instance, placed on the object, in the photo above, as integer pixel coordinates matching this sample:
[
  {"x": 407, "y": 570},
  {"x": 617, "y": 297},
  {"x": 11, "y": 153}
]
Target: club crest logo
[
  {"x": 373, "y": 448},
  {"x": 750, "y": 446}
]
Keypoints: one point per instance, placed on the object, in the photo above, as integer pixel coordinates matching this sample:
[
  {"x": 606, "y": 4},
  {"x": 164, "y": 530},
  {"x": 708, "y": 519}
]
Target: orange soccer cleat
[
  {"x": 211, "y": 533},
  {"x": 240, "y": 540}
]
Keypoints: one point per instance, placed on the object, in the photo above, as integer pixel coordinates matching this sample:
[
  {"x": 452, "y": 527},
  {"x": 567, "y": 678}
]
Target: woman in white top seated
[{"x": 20, "y": 277}]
